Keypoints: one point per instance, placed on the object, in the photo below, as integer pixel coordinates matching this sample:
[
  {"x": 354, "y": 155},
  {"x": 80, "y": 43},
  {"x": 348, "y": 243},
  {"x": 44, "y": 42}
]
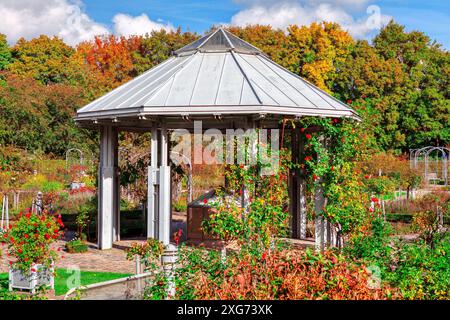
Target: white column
[
  {"x": 108, "y": 191},
  {"x": 159, "y": 188},
  {"x": 301, "y": 189},
  {"x": 302, "y": 220},
  {"x": 152, "y": 187},
  {"x": 164, "y": 190},
  {"x": 320, "y": 223}
]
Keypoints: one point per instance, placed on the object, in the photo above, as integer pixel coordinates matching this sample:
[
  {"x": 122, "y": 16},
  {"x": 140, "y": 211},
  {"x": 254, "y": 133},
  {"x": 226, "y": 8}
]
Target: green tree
[
  {"x": 38, "y": 117},
  {"x": 423, "y": 105},
  {"x": 157, "y": 46},
  {"x": 5, "y": 52},
  {"x": 403, "y": 79}
]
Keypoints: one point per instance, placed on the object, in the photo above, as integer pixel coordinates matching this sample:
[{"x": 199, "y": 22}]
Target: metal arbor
[{"x": 420, "y": 159}]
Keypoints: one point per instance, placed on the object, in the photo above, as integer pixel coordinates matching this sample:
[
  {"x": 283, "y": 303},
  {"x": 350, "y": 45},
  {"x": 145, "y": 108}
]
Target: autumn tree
[
  {"x": 317, "y": 52},
  {"x": 272, "y": 42},
  {"x": 110, "y": 57}
]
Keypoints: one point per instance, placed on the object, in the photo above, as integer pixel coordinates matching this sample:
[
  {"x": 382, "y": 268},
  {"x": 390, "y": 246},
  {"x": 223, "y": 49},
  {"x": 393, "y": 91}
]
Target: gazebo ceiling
[{"x": 218, "y": 74}]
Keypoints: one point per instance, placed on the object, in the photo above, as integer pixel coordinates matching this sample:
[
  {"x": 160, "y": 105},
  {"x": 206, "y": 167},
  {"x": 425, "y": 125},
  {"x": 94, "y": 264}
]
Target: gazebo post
[
  {"x": 320, "y": 222},
  {"x": 108, "y": 189},
  {"x": 159, "y": 187},
  {"x": 297, "y": 188},
  {"x": 301, "y": 189},
  {"x": 293, "y": 185},
  {"x": 152, "y": 187},
  {"x": 164, "y": 190}
]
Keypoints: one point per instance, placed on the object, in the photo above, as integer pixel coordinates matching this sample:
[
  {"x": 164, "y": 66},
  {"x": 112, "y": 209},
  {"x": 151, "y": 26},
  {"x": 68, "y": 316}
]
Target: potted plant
[{"x": 29, "y": 244}]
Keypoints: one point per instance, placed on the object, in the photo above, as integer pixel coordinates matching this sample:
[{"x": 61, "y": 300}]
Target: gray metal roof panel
[{"x": 224, "y": 80}]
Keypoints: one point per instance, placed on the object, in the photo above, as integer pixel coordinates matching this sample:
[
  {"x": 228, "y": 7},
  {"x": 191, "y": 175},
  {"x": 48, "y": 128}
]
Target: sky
[{"x": 81, "y": 20}]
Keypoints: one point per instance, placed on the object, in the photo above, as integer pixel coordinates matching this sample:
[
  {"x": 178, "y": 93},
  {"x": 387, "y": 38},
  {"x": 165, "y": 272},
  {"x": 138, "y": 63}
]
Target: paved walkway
[{"x": 113, "y": 260}]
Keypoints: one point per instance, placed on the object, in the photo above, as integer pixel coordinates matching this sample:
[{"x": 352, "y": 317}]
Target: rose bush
[{"x": 29, "y": 240}]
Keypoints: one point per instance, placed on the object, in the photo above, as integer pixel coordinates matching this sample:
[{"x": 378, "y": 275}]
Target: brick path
[{"x": 112, "y": 260}]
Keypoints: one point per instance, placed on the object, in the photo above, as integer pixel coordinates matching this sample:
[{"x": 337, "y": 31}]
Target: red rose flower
[
  {"x": 47, "y": 236},
  {"x": 264, "y": 256},
  {"x": 302, "y": 130},
  {"x": 314, "y": 177},
  {"x": 308, "y": 136},
  {"x": 19, "y": 251},
  {"x": 205, "y": 201}
]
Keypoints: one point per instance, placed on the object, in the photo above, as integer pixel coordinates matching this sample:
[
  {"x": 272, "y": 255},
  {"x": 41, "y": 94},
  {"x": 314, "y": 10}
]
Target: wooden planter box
[
  {"x": 35, "y": 279},
  {"x": 200, "y": 210}
]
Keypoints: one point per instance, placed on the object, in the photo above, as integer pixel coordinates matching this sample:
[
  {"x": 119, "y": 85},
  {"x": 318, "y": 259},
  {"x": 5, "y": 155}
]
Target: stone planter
[{"x": 42, "y": 276}]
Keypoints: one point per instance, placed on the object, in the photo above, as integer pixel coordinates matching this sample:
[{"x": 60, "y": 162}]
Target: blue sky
[
  {"x": 431, "y": 16},
  {"x": 81, "y": 20}
]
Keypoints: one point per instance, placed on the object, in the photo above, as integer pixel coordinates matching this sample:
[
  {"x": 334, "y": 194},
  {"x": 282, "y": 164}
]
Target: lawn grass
[{"x": 65, "y": 278}]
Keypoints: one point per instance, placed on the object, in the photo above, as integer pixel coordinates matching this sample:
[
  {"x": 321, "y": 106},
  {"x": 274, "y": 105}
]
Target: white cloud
[
  {"x": 66, "y": 19},
  {"x": 281, "y": 14},
  {"x": 31, "y": 18},
  {"x": 126, "y": 25}
]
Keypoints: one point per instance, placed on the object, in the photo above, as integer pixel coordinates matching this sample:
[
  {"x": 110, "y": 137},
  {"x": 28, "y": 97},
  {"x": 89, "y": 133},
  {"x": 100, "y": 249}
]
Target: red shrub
[{"x": 292, "y": 274}]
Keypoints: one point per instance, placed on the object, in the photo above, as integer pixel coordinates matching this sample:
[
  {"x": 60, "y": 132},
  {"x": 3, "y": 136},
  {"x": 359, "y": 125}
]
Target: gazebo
[{"x": 220, "y": 80}]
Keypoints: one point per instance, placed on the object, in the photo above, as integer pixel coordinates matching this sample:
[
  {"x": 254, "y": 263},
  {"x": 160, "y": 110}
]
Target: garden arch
[
  {"x": 218, "y": 82},
  {"x": 420, "y": 160}
]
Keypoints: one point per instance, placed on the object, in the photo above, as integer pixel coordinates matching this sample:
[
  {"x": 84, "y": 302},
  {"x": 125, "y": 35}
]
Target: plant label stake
[{"x": 5, "y": 214}]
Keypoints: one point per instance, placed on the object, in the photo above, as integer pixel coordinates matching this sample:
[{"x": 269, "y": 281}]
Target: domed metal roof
[{"x": 217, "y": 74}]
